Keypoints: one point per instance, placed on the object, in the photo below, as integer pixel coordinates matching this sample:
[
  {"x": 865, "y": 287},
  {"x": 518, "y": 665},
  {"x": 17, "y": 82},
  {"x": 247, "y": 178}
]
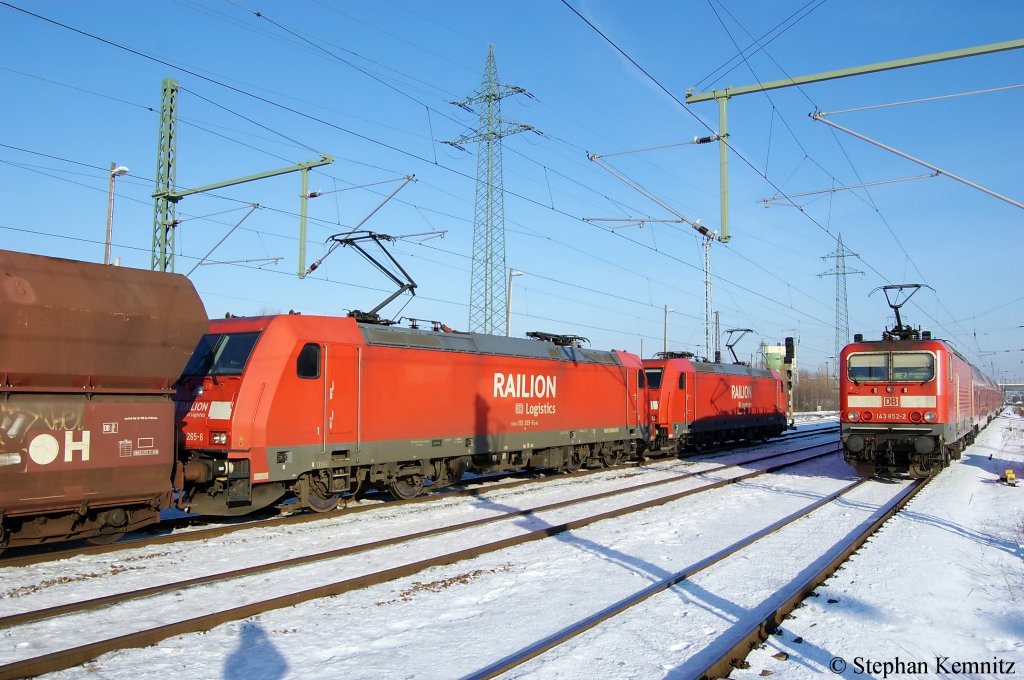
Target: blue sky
[{"x": 370, "y": 83}]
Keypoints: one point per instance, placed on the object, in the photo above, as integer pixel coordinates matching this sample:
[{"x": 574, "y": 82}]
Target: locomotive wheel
[
  {"x": 406, "y": 487},
  {"x": 612, "y": 456},
  {"x": 313, "y": 494},
  {"x": 105, "y": 539},
  {"x": 575, "y": 459},
  {"x": 919, "y": 470}
]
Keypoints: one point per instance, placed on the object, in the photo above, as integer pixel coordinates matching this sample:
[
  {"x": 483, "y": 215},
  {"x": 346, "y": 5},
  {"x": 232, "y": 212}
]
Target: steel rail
[
  {"x": 760, "y": 632},
  {"x": 291, "y": 519},
  {"x": 107, "y": 600},
  {"x": 567, "y": 633},
  {"x": 74, "y": 656}
]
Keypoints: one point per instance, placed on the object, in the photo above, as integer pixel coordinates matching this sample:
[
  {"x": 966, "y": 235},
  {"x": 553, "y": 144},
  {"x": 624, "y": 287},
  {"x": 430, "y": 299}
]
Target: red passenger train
[
  {"x": 324, "y": 406},
  {"x": 88, "y": 355},
  {"x": 910, "y": 403}
]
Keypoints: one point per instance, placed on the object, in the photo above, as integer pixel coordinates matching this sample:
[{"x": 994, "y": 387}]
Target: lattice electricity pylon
[
  {"x": 840, "y": 271},
  {"x": 487, "y": 296}
]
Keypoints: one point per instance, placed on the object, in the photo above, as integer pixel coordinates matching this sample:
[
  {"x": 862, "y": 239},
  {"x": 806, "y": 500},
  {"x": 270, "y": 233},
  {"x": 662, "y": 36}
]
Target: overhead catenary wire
[
  {"x": 335, "y": 126},
  {"x": 654, "y": 249},
  {"x": 757, "y": 43},
  {"x": 922, "y": 100},
  {"x": 552, "y": 202},
  {"x": 747, "y": 161}
]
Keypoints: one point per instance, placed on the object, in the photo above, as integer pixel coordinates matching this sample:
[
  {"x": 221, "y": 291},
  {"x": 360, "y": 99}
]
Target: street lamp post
[
  {"x": 508, "y": 301},
  {"x": 665, "y": 336},
  {"x": 115, "y": 171}
]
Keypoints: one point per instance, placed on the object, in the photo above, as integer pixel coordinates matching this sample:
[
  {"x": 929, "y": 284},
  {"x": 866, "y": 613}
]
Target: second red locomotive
[{"x": 695, "y": 404}]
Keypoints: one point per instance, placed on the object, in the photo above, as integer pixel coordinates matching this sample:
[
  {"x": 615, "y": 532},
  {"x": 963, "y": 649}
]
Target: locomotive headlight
[
  {"x": 219, "y": 437},
  {"x": 929, "y": 416},
  {"x": 853, "y": 416}
]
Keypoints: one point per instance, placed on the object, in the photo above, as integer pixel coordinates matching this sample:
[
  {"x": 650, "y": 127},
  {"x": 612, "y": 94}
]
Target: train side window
[
  {"x": 682, "y": 381},
  {"x": 641, "y": 382},
  {"x": 949, "y": 359},
  {"x": 308, "y": 364}
]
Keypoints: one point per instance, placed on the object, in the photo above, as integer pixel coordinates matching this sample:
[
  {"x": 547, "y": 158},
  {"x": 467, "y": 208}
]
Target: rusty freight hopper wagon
[
  {"x": 88, "y": 354},
  {"x": 321, "y": 406}
]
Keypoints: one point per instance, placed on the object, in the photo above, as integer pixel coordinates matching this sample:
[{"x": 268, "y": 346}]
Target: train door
[
  {"x": 305, "y": 400},
  {"x": 636, "y": 389},
  {"x": 342, "y": 392},
  {"x": 690, "y": 380},
  {"x": 956, "y": 427},
  {"x": 675, "y": 415}
]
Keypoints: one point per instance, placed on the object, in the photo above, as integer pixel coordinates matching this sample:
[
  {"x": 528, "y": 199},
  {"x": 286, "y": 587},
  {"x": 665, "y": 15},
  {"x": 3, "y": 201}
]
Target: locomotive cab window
[
  {"x": 221, "y": 354},
  {"x": 308, "y": 364},
  {"x": 912, "y": 367},
  {"x": 682, "y": 381},
  {"x": 653, "y": 378},
  {"x": 868, "y": 367}
]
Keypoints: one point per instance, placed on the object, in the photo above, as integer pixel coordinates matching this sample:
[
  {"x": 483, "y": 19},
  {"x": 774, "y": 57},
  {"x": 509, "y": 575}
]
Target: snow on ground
[
  {"x": 449, "y": 621},
  {"x": 811, "y": 417},
  {"x": 54, "y": 583},
  {"x": 942, "y": 583},
  {"x": 944, "y": 578}
]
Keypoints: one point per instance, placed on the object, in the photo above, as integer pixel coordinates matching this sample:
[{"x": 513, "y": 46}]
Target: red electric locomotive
[
  {"x": 910, "y": 403},
  {"x": 88, "y": 354},
  {"x": 322, "y": 406},
  {"x": 696, "y": 403}
]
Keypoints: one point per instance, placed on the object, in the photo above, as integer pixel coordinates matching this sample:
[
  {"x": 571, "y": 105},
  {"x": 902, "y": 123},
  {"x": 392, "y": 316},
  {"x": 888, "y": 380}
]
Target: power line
[
  {"x": 757, "y": 42},
  {"x": 378, "y": 142},
  {"x": 747, "y": 161}
]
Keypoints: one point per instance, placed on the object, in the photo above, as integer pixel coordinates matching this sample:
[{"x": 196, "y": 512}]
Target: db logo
[
  {"x": 44, "y": 448},
  {"x": 890, "y": 401}
]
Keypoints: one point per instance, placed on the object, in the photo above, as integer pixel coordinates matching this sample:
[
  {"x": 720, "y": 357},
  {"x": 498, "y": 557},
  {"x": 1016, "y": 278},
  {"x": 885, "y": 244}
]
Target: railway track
[
  {"x": 759, "y": 632},
  {"x": 520, "y": 525},
  {"x": 737, "y": 643},
  {"x": 169, "y": 531}
]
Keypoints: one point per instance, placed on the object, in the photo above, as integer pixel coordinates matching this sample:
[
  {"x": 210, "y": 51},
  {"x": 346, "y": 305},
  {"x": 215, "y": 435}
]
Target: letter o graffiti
[{"x": 44, "y": 449}]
